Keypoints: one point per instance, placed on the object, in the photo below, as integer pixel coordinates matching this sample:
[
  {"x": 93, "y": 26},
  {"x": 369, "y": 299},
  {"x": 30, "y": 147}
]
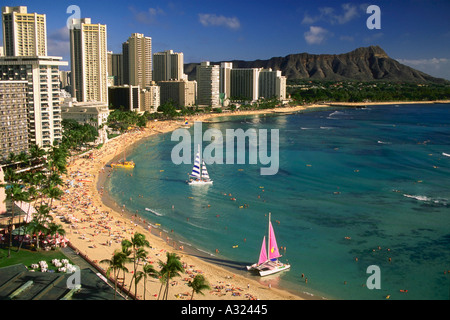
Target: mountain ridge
[{"x": 362, "y": 64}]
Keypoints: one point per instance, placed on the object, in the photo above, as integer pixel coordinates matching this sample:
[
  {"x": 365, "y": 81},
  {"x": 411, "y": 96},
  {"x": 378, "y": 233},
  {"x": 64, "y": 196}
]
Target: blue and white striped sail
[
  {"x": 196, "y": 170},
  {"x": 200, "y": 176},
  {"x": 205, "y": 175}
]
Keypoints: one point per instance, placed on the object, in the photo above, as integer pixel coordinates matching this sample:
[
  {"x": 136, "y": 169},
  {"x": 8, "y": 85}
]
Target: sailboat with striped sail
[
  {"x": 268, "y": 262},
  {"x": 197, "y": 176}
]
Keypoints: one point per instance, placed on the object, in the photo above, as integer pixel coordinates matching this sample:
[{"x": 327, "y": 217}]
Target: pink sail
[
  {"x": 273, "y": 247},
  {"x": 263, "y": 255}
]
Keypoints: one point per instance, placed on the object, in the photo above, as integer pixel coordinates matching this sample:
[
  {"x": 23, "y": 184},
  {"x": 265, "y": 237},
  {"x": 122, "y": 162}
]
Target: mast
[
  {"x": 196, "y": 171},
  {"x": 273, "y": 246},
  {"x": 200, "y": 161},
  {"x": 268, "y": 238}
]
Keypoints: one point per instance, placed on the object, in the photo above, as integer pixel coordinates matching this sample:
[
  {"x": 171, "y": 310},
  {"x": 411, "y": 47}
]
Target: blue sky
[{"x": 416, "y": 32}]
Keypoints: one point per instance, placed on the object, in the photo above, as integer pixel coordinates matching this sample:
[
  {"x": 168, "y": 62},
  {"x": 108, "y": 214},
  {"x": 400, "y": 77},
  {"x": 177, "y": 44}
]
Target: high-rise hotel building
[
  {"x": 225, "y": 79},
  {"x": 168, "y": 65},
  {"x": 89, "y": 62},
  {"x": 208, "y": 84},
  {"x": 245, "y": 84},
  {"x": 13, "y": 117},
  {"x": 140, "y": 60},
  {"x": 44, "y": 109},
  {"x": 115, "y": 67},
  {"x": 26, "y": 60},
  {"x": 24, "y": 34},
  {"x": 272, "y": 84},
  {"x": 182, "y": 93}
]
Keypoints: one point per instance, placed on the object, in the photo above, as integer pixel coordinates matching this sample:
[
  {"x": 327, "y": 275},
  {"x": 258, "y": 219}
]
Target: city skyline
[{"x": 415, "y": 32}]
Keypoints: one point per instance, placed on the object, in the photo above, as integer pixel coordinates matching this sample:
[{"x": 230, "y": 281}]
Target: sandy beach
[{"x": 95, "y": 225}]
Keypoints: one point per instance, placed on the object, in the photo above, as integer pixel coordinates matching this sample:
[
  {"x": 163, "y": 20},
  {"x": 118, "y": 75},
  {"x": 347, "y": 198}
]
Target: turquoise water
[{"x": 356, "y": 187}]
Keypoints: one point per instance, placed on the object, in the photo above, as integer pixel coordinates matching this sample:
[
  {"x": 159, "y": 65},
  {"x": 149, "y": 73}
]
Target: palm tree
[
  {"x": 198, "y": 285},
  {"x": 137, "y": 244},
  {"x": 57, "y": 160},
  {"x": 55, "y": 229},
  {"x": 37, "y": 225},
  {"x": 36, "y": 153},
  {"x": 54, "y": 179},
  {"x": 13, "y": 193},
  {"x": 140, "y": 255},
  {"x": 170, "y": 269},
  {"x": 38, "y": 181},
  {"x": 54, "y": 193},
  {"x": 22, "y": 157},
  {"x": 147, "y": 271},
  {"x": 24, "y": 196},
  {"x": 11, "y": 175},
  {"x": 115, "y": 264},
  {"x": 11, "y": 158}
]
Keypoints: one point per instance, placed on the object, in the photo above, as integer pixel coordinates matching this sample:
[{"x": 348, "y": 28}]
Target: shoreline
[
  {"x": 96, "y": 171},
  {"x": 382, "y": 103}
]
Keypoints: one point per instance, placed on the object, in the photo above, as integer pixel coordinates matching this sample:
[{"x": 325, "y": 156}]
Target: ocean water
[{"x": 356, "y": 187}]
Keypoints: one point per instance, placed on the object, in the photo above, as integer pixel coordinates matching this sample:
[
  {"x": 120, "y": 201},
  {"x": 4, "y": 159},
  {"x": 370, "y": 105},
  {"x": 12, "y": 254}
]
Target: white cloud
[
  {"x": 350, "y": 12},
  {"x": 316, "y": 35},
  {"x": 424, "y": 62},
  {"x": 61, "y": 34},
  {"x": 436, "y": 67},
  {"x": 308, "y": 19},
  {"x": 328, "y": 14},
  {"x": 58, "y": 42},
  {"x": 156, "y": 11},
  {"x": 148, "y": 16},
  {"x": 207, "y": 19}
]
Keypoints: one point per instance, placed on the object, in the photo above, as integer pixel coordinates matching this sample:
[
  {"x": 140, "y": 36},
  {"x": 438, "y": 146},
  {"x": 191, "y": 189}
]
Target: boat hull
[
  {"x": 252, "y": 267},
  {"x": 264, "y": 273},
  {"x": 121, "y": 166},
  {"x": 269, "y": 267},
  {"x": 127, "y": 165},
  {"x": 199, "y": 183}
]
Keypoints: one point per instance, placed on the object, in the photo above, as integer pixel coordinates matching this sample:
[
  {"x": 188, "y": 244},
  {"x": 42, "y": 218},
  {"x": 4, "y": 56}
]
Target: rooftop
[{"x": 18, "y": 283}]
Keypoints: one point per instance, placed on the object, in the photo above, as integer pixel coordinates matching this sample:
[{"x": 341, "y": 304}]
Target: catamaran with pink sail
[{"x": 268, "y": 262}]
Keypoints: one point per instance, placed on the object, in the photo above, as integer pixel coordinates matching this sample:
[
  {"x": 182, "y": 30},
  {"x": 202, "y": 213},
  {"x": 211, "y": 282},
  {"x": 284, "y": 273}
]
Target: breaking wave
[{"x": 428, "y": 200}]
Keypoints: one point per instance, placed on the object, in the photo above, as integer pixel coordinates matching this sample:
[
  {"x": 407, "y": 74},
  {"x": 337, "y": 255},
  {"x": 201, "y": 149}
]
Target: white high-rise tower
[{"x": 89, "y": 62}]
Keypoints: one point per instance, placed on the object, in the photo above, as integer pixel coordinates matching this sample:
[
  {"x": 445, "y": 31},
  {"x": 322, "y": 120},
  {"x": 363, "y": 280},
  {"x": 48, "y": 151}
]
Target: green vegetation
[
  {"x": 76, "y": 135},
  {"x": 133, "y": 251},
  {"x": 302, "y": 91},
  {"x": 28, "y": 257},
  {"x": 260, "y": 104},
  {"x": 198, "y": 285},
  {"x": 170, "y": 110},
  {"x": 123, "y": 120},
  {"x": 169, "y": 269},
  {"x": 38, "y": 185}
]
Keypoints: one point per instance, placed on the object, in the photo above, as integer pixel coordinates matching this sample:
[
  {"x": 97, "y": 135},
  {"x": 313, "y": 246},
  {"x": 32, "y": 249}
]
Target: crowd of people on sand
[{"x": 97, "y": 230}]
